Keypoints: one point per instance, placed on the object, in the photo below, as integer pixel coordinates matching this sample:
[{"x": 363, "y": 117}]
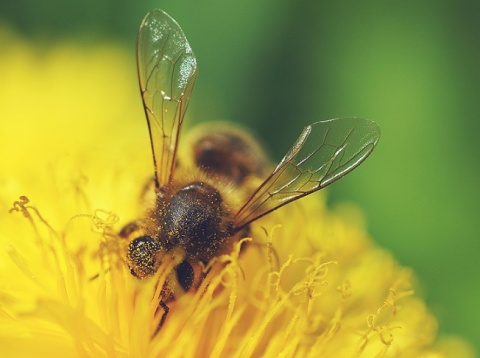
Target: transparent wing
[
  {"x": 167, "y": 70},
  {"x": 324, "y": 152}
]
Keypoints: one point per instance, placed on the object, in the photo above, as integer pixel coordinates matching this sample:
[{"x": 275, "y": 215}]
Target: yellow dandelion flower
[{"x": 309, "y": 283}]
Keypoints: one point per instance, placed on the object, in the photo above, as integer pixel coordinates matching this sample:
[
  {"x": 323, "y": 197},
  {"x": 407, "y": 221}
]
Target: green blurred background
[{"x": 276, "y": 66}]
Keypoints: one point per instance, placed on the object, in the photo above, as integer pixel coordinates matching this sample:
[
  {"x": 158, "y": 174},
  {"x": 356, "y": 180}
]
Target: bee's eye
[
  {"x": 185, "y": 275},
  {"x": 142, "y": 256}
]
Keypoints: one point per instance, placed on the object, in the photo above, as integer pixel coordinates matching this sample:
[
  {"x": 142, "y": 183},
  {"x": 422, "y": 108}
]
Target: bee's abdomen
[{"x": 230, "y": 153}]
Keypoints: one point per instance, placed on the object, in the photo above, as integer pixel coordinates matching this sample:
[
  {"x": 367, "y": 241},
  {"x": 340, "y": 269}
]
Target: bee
[{"x": 193, "y": 214}]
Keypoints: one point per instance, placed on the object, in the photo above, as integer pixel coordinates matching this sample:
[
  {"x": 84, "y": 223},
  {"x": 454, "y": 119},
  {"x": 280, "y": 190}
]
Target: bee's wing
[
  {"x": 324, "y": 152},
  {"x": 167, "y": 70}
]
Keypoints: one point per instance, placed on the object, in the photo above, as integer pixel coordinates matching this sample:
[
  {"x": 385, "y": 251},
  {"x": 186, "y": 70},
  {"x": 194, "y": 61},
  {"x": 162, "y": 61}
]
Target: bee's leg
[
  {"x": 129, "y": 229},
  {"x": 165, "y": 313},
  {"x": 97, "y": 275},
  {"x": 166, "y": 309}
]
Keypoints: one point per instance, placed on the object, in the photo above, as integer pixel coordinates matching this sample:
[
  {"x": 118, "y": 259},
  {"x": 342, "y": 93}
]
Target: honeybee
[{"x": 193, "y": 214}]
